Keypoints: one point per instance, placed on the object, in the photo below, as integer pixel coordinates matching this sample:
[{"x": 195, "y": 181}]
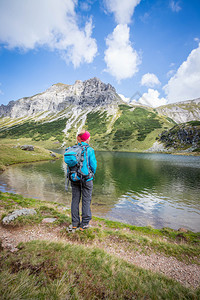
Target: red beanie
[{"x": 85, "y": 136}]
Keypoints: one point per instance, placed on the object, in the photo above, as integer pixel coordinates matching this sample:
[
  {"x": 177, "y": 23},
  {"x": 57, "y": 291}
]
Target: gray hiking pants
[{"x": 86, "y": 193}]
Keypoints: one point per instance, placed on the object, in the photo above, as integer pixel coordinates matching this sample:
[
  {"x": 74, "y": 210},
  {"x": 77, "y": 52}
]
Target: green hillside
[
  {"x": 10, "y": 155},
  {"x": 131, "y": 129},
  {"x": 36, "y": 130},
  {"x": 134, "y": 129},
  {"x": 182, "y": 136}
]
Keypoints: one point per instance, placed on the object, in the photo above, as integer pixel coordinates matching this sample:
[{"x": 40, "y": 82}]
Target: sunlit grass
[
  {"x": 12, "y": 155},
  {"x": 42, "y": 270},
  {"x": 184, "y": 246}
]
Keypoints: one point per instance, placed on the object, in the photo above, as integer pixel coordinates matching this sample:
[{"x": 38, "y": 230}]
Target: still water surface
[{"x": 160, "y": 190}]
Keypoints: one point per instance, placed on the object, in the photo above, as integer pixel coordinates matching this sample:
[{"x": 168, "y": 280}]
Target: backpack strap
[
  {"x": 84, "y": 147},
  {"x": 89, "y": 170}
]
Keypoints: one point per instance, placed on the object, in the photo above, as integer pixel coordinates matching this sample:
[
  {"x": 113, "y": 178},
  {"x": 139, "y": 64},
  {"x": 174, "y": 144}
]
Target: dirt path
[{"x": 187, "y": 274}]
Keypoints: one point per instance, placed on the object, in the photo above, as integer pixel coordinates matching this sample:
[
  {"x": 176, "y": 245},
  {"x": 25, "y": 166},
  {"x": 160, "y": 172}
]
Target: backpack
[{"x": 74, "y": 157}]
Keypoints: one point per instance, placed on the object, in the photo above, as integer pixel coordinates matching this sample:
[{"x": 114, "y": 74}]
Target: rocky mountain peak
[
  {"x": 96, "y": 85},
  {"x": 92, "y": 92},
  {"x": 181, "y": 112}
]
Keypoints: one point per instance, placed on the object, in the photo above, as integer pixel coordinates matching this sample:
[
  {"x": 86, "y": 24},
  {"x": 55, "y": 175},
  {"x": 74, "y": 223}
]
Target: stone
[
  {"x": 17, "y": 213},
  {"x": 27, "y": 147},
  {"x": 181, "y": 136},
  {"x": 64, "y": 208},
  {"x": 183, "y": 230},
  {"x": 53, "y": 155},
  {"x": 49, "y": 220}
]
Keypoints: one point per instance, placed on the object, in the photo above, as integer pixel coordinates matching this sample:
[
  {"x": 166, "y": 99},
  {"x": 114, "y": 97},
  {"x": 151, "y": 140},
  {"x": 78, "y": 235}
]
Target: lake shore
[
  {"x": 158, "y": 263},
  {"x": 10, "y": 155},
  {"x": 46, "y": 145}
]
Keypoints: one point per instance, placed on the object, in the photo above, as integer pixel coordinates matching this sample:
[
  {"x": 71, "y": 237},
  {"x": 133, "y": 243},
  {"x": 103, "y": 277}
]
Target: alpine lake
[{"x": 158, "y": 190}]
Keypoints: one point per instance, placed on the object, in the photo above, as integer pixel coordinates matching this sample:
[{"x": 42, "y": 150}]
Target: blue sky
[{"x": 149, "y": 50}]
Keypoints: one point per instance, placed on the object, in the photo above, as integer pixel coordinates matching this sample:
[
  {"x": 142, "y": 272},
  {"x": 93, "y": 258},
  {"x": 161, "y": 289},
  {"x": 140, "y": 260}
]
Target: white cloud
[
  {"x": 150, "y": 80},
  {"x": 122, "y": 9},
  {"x": 121, "y": 59},
  {"x": 124, "y": 98},
  {"x": 185, "y": 84},
  {"x": 170, "y": 73},
  {"x": 196, "y": 39},
  {"x": 145, "y": 17},
  {"x": 1, "y": 92},
  {"x": 151, "y": 98},
  {"x": 28, "y": 24},
  {"x": 175, "y": 7},
  {"x": 86, "y": 6}
]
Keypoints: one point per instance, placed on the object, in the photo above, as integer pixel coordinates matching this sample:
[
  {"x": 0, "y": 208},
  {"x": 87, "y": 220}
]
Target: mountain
[
  {"x": 182, "y": 112},
  {"x": 55, "y": 116},
  {"x": 90, "y": 93},
  {"x": 184, "y": 137}
]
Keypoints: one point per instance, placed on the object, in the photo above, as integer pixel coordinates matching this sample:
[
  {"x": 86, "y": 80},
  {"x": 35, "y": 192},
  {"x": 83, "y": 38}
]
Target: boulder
[
  {"x": 183, "y": 230},
  {"x": 49, "y": 220},
  {"x": 17, "y": 213},
  {"x": 27, "y": 147}
]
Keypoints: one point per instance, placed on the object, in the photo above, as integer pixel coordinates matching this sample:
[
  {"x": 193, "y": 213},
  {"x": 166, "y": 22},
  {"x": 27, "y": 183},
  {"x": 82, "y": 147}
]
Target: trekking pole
[{"x": 67, "y": 181}]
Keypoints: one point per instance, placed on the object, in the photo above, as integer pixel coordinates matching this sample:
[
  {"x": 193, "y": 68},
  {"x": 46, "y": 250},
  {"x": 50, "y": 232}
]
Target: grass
[
  {"x": 10, "y": 202},
  {"x": 96, "y": 122},
  {"x": 146, "y": 243},
  {"x": 10, "y": 155},
  {"x": 47, "y": 144},
  {"x": 42, "y": 270},
  {"x": 182, "y": 136},
  {"x": 46, "y": 270},
  {"x": 125, "y": 129},
  {"x": 169, "y": 233},
  {"x": 136, "y": 129},
  {"x": 131, "y": 130},
  {"x": 36, "y": 130},
  {"x": 183, "y": 246}
]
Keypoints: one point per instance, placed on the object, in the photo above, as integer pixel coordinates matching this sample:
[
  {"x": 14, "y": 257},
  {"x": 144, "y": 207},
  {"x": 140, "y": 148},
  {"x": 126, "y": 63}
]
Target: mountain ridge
[
  {"x": 91, "y": 92},
  {"x": 62, "y": 110},
  {"x": 181, "y": 112}
]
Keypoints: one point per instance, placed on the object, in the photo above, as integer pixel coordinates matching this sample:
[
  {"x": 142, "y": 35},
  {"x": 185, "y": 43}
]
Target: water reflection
[
  {"x": 43, "y": 181},
  {"x": 141, "y": 189}
]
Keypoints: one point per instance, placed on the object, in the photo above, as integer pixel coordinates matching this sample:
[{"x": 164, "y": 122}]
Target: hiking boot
[
  {"x": 71, "y": 228},
  {"x": 83, "y": 227}
]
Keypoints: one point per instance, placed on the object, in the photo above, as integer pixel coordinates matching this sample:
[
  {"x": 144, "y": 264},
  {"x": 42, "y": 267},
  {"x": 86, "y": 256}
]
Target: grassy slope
[
  {"x": 133, "y": 129},
  {"x": 10, "y": 155},
  {"x": 190, "y": 107},
  {"x": 42, "y": 270},
  {"x": 36, "y": 130},
  {"x": 173, "y": 136}
]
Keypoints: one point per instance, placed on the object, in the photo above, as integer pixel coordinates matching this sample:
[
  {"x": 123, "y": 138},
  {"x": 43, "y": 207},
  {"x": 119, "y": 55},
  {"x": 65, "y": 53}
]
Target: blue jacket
[{"x": 92, "y": 162}]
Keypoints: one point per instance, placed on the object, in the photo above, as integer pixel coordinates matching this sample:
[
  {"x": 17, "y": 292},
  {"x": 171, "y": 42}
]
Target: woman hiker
[{"x": 83, "y": 187}]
